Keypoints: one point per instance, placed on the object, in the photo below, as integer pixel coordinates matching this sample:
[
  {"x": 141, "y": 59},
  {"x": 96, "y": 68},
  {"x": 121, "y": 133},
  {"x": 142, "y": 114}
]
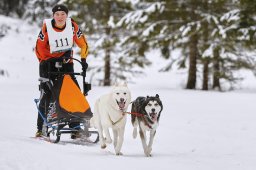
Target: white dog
[{"x": 109, "y": 112}]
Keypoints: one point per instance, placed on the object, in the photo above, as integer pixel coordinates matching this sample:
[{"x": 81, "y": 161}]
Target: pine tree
[
  {"x": 165, "y": 25},
  {"x": 38, "y": 10},
  {"x": 210, "y": 27},
  {"x": 99, "y": 20},
  {"x": 150, "y": 23},
  {"x": 226, "y": 43},
  {"x": 14, "y": 8}
]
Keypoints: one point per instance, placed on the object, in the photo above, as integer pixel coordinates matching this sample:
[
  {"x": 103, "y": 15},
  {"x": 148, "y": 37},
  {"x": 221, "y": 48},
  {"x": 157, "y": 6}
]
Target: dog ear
[
  {"x": 157, "y": 96},
  {"x": 116, "y": 83},
  {"x": 125, "y": 84}
]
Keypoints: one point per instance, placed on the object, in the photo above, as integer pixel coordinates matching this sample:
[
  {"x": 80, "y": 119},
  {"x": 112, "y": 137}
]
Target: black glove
[{"x": 84, "y": 63}]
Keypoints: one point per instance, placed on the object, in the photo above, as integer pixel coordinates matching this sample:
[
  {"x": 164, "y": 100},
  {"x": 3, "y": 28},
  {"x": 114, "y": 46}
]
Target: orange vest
[{"x": 42, "y": 44}]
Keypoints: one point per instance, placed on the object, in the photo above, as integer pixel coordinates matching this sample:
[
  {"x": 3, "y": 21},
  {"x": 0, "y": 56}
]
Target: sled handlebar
[
  {"x": 62, "y": 73},
  {"x": 61, "y": 59},
  {"x": 86, "y": 86}
]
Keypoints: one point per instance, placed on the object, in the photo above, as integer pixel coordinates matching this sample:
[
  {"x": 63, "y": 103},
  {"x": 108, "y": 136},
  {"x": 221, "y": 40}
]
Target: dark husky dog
[{"x": 145, "y": 113}]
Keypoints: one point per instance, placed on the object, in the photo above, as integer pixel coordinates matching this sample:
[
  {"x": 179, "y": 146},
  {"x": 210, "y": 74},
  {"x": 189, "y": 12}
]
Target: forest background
[{"x": 212, "y": 40}]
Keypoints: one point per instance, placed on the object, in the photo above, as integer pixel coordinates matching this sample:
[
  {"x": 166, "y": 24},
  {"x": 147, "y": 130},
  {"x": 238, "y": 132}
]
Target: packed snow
[{"x": 198, "y": 130}]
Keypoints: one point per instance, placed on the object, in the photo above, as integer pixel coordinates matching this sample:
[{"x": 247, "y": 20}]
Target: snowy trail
[{"x": 198, "y": 130}]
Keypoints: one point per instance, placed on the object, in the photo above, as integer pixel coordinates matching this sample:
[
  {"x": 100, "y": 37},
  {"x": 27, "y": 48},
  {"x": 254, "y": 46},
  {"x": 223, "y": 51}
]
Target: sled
[{"x": 67, "y": 105}]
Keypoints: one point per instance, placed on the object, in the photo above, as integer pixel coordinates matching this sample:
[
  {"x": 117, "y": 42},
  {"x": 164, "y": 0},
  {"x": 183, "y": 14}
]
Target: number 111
[{"x": 57, "y": 44}]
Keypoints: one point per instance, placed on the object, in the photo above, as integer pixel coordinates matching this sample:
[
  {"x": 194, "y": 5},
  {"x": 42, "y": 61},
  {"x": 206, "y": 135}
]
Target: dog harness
[
  {"x": 113, "y": 123},
  {"x": 143, "y": 117}
]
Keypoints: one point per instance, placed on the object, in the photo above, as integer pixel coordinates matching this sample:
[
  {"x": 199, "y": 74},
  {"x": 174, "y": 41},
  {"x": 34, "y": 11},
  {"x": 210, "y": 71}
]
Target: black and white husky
[{"x": 145, "y": 113}]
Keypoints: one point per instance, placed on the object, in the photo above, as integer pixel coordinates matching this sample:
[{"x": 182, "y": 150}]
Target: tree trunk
[
  {"x": 107, "y": 81},
  {"x": 216, "y": 69},
  {"x": 191, "y": 83},
  {"x": 107, "y": 67},
  {"x": 205, "y": 74},
  {"x": 206, "y": 60}
]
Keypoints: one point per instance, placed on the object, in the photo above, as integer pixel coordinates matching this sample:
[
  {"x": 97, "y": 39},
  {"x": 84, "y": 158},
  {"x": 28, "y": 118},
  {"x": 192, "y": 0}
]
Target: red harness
[
  {"x": 140, "y": 115},
  {"x": 136, "y": 114}
]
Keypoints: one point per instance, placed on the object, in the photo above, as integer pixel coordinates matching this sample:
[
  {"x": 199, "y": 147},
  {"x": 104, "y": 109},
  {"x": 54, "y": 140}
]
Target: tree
[
  {"x": 98, "y": 20},
  {"x": 150, "y": 22},
  {"x": 38, "y": 10},
  {"x": 210, "y": 29},
  {"x": 226, "y": 54},
  {"x": 13, "y": 7}
]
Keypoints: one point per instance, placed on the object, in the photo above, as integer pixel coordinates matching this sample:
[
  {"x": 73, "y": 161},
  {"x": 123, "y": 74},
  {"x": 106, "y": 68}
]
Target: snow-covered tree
[
  {"x": 38, "y": 10},
  {"x": 227, "y": 47},
  {"x": 206, "y": 31},
  {"x": 150, "y": 24},
  {"x": 15, "y": 8},
  {"x": 99, "y": 19}
]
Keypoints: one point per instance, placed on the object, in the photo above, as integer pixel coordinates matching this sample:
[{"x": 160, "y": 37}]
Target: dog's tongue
[
  {"x": 154, "y": 117},
  {"x": 121, "y": 105}
]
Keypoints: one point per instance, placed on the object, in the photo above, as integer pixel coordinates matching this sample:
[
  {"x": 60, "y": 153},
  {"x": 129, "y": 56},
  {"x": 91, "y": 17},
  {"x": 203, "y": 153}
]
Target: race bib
[{"x": 60, "y": 41}]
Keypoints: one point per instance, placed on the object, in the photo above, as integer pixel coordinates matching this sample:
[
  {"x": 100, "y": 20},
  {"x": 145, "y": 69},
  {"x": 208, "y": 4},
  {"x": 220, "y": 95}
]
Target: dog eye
[
  {"x": 156, "y": 104},
  {"x": 117, "y": 93},
  {"x": 124, "y": 93},
  {"x": 149, "y": 104}
]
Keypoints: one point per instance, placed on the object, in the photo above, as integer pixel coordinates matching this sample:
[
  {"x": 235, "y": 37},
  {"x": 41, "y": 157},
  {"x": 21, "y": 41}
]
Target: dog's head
[
  {"x": 121, "y": 96},
  {"x": 153, "y": 107}
]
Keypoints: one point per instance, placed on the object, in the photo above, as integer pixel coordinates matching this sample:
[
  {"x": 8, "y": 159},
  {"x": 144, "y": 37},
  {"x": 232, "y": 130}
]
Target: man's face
[{"x": 60, "y": 18}]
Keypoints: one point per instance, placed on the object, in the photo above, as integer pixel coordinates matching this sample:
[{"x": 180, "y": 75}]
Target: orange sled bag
[{"x": 70, "y": 102}]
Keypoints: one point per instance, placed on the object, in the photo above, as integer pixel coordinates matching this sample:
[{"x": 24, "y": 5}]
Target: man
[{"x": 56, "y": 40}]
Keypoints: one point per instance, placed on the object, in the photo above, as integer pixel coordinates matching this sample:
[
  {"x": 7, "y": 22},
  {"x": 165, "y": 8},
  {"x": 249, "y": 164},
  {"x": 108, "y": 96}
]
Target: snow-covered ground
[{"x": 198, "y": 130}]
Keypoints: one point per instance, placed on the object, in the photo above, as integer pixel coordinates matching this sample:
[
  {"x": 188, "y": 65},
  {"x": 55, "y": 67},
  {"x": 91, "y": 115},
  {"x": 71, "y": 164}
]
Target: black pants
[{"x": 45, "y": 95}]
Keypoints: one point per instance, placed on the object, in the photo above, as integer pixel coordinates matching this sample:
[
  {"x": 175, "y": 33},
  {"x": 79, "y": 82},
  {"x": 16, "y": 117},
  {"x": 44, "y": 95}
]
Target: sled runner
[{"x": 67, "y": 104}]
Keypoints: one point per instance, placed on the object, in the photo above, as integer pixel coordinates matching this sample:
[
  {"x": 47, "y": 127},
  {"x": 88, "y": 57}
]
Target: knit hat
[{"x": 60, "y": 7}]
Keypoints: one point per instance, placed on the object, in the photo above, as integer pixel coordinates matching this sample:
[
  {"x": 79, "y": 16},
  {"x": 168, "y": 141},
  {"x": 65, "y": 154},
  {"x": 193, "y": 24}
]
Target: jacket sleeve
[{"x": 79, "y": 38}]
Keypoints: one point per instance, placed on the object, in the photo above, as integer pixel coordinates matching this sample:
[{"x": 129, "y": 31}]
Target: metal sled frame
[{"x": 55, "y": 128}]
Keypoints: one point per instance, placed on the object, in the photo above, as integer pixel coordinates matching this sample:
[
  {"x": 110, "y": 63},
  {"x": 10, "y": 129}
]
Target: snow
[
  {"x": 230, "y": 16},
  {"x": 111, "y": 22},
  {"x": 139, "y": 15},
  {"x": 198, "y": 130},
  {"x": 155, "y": 6},
  {"x": 185, "y": 30},
  {"x": 208, "y": 52},
  {"x": 147, "y": 31}
]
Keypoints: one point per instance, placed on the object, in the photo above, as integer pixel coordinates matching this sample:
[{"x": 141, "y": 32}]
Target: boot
[
  {"x": 39, "y": 133},
  {"x": 77, "y": 134}
]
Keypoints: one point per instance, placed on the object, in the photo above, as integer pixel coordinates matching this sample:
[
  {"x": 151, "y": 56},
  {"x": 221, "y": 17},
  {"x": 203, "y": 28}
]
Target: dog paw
[
  {"x": 147, "y": 154},
  {"x": 119, "y": 153},
  {"x": 103, "y": 146}
]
